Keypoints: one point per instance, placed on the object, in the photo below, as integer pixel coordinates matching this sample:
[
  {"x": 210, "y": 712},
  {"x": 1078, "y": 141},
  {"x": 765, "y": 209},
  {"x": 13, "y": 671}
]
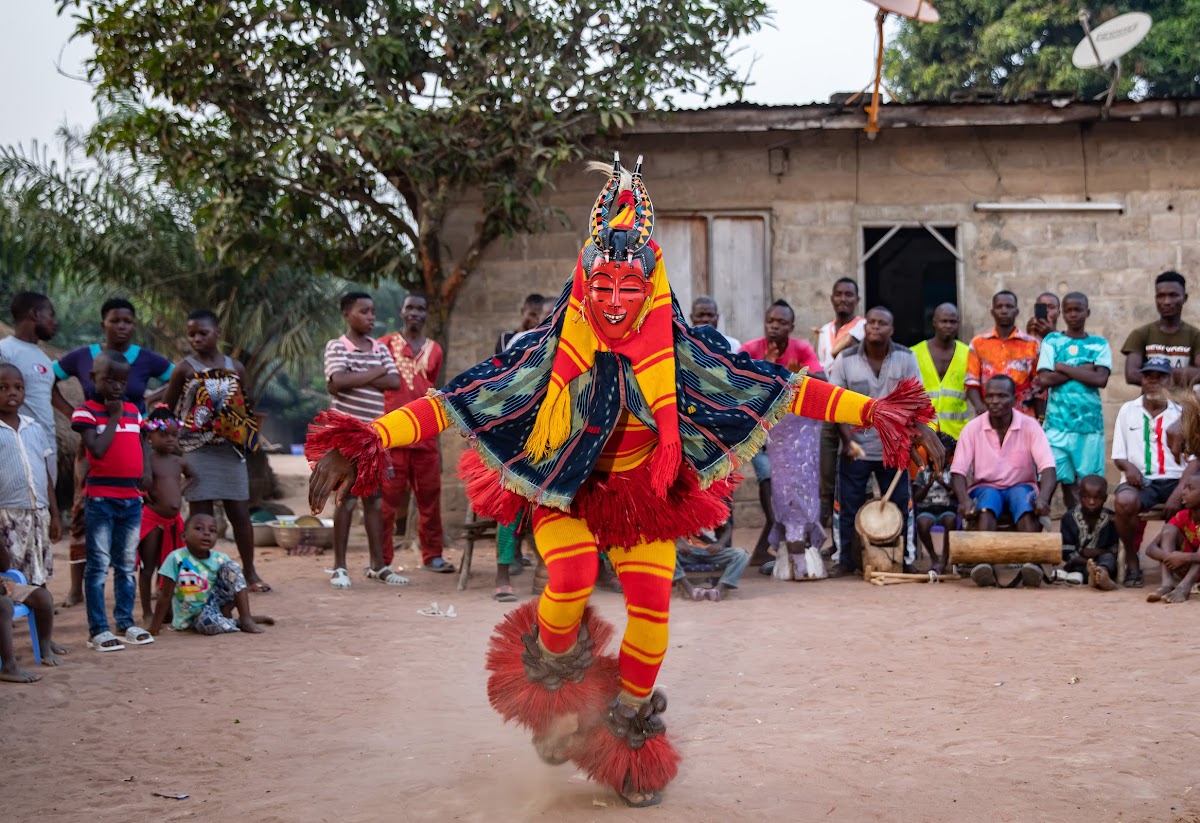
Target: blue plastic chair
[{"x": 20, "y": 611}]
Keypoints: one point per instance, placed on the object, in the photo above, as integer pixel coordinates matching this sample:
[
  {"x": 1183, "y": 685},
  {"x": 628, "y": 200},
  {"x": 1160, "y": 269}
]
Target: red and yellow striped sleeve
[
  {"x": 818, "y": 400},
  {"x": 419, "y": 420}
]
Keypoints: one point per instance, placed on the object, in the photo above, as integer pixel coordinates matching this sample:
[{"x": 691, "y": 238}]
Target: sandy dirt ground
[{"x": 830, "y": 701}]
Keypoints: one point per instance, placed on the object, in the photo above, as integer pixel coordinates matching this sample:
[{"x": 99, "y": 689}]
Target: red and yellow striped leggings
[{"x": 645, "y": 571}]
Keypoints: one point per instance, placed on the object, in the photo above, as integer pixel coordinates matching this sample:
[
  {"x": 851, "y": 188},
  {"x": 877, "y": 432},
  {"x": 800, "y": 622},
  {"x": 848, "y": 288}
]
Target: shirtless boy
[
  {"x": 1176, "y": 547},
  {"x": 162, "y": 525}
]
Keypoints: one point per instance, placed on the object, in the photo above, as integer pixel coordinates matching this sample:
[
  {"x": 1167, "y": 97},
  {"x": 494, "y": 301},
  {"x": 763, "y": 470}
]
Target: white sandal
[
  {"x": 97, "y": 642},
  {"x": 386, "y": 575},
  {"x": 136, "y": 636},
  {"x": 340, "y": 579}
]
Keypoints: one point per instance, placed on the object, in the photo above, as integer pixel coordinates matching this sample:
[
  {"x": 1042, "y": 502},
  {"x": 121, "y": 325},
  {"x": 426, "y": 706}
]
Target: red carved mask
[{"x": 616, "y": 294}]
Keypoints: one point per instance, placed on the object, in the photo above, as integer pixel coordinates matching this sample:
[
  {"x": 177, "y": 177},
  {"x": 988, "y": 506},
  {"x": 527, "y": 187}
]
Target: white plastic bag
[
  {"x": 814, "y": 564},
  {"x": 783, "y": 564}
]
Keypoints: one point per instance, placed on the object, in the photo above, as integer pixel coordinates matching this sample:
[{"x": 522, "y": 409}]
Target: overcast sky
[{"x": 817, "y": 47}]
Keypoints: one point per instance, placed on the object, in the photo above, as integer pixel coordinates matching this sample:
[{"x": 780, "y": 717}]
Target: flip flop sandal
[
  {"x": 258, "y": 586},
  {"x": 983, "y": 575},
  {"x": 135, "y": 636},
  {"x": 1031, "y": 576},
  {"x": 434, "y": 611},
  {"x": 713, "y": 594},
  {"x": 386, "y": 575},
  {"x": 340, "y": 579},
  {"x": 1134, "y": 579},
  {"x": 652, "y": 799},
  {"x": 439, "y": 565},
  {"x": 698, "y": 594},
  {"x": 505, "y": 594},
  {"x": 98, "y": 642}
]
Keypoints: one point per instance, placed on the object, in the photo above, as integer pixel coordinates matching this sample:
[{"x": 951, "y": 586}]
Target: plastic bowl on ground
[{"x": 288, "y": 535}]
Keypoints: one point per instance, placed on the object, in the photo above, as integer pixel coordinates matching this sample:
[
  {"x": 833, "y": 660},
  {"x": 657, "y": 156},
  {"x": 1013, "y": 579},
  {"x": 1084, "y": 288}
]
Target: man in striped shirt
[
  {"x": 1149, "y": 471},
  {"x": 358, "y": 370}
]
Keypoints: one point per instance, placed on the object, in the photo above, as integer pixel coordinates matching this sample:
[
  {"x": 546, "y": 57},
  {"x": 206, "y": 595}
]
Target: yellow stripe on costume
[
  {"x": 818, "y": 400},
  {"x": 419, "y": 420},
  {"x": 652, "y": 659}
]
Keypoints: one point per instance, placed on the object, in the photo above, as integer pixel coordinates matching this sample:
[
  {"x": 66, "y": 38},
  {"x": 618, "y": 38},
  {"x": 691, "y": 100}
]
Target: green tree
[
  {"x": 1018, "y": 47},
  {"x": 341, "y": 134},
  {"x": 107, "y": 227}
]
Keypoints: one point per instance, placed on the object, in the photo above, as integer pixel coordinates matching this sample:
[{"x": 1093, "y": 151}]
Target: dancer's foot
[
  {"x": 638, "y": 800},
  {"x": 554, "y": 747}
]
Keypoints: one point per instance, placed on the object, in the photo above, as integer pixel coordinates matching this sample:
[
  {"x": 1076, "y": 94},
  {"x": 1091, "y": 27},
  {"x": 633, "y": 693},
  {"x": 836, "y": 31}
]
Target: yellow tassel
[{"x": 552, "y": 426}]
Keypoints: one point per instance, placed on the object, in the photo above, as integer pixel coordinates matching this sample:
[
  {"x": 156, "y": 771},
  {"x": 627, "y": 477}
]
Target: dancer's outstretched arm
[
  {"x": 900, "y": 418},
  {"x": 350, "y": 456}
]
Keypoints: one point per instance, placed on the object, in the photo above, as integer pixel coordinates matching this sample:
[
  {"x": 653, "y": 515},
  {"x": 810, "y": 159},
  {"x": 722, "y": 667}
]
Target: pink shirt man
[
  {"x": 1024, "y": 454},
  {"x": 796, "y": 356}
]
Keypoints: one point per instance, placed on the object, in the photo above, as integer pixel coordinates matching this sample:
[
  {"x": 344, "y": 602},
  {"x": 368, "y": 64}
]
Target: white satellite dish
[
  {"x": 920, "y": 10},
  {"x": 1104, "y": 46},
  {"x": 1111, "y": 40}
]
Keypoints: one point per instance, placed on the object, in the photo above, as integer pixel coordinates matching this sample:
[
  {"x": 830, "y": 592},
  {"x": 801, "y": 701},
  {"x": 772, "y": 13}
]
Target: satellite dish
[
  {"x": 920, "y": 10},
  {"x": 1105, "y": 45},
  {"x": 1111, "y": 41}
]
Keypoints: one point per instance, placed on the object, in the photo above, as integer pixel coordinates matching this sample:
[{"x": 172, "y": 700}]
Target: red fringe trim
[
  {"x": 530, "y": 704},
  {"x": 664, "y": 466},
  {"x": 357, "y": 441},
  {"x": 615, "y": 507},
  {"x": 489, "y": 498},
  {"x": 608, "y": 759},
  {"x": 896, "y": 418}
]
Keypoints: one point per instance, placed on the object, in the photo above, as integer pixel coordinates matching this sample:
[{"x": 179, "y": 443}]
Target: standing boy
[
  {"x": 28, "y": 511},
  {"x": 358, "y": 368},
  {"x": 415, "y": 468},
  {"x": 1075, "y": 366},
  {"x": 34, "y": 321},
  {"x": 111, "y": 429}
]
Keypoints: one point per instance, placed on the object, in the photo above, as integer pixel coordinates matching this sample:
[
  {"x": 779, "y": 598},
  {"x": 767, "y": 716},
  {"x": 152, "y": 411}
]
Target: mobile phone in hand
[{"x": 1041, "y": 311}]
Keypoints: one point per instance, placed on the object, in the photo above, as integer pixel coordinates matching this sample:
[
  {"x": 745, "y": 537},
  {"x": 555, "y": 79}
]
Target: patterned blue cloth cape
[{"x": 726, "y": 403}]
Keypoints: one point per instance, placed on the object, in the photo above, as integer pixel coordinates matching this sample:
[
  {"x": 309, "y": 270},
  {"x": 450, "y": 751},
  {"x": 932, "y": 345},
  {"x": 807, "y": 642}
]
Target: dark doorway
[{"x": 911, "y": 273}]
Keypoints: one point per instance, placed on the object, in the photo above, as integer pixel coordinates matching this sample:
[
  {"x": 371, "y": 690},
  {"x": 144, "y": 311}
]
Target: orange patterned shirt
[{"x": 1015, "y": 356}]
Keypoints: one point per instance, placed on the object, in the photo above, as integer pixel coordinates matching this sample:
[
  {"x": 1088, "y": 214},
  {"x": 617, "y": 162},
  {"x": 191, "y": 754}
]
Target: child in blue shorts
[{"x": 1075, "y": 365}]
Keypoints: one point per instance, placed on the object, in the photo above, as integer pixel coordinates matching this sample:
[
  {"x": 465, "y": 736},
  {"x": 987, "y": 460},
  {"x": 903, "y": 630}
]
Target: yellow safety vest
[{"x": 949, "y": 393}]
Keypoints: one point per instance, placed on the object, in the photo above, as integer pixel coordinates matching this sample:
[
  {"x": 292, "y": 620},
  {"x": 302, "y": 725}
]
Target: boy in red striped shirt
[{"x": 110, "y": 427}]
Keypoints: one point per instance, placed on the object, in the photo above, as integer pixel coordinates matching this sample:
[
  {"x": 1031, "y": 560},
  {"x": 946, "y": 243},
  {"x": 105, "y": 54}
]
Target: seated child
[
  {"x": 1089, "y": 535},
  {"x": 202, "y": 587},
  {"x": 1176, "y": 547},
  {"x": 718, "y": 552},
  {"x": 162, "y": 526},
  {"x": 40, "y": 602},
  {"x": 933, "y": 496}
]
